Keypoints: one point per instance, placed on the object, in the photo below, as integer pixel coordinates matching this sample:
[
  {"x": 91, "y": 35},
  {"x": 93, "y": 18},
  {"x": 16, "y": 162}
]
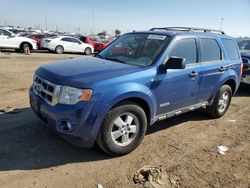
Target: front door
[{"x": 178, "y": 88}]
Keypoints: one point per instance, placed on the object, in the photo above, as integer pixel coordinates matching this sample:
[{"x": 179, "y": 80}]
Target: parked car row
[{"x": 58, "y": 44}]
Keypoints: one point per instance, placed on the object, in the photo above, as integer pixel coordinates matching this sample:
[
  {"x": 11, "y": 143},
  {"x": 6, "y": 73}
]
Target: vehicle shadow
[
  {"x": 25, "y": 144},
  {"x": 197, "y": 115},
  {"x": 243, "y": 91}
]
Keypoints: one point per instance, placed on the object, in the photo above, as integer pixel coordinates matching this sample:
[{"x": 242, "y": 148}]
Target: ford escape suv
[{"x": 139, "y": 79}]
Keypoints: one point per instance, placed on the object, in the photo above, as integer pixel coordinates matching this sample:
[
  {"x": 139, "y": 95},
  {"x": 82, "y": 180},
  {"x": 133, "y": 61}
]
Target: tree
[
  {"x": 102, "y": 34},
  {"x": 117, "y": 33}
]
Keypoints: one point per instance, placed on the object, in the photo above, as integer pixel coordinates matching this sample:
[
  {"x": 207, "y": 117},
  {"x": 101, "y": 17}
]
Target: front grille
[{"x": 46, "y": 90}]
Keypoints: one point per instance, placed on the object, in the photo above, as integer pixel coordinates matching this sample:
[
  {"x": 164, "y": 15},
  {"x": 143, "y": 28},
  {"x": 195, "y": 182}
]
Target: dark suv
[
  {"x": 244, "y": 46},
  {"x": 139, "y": 79}
]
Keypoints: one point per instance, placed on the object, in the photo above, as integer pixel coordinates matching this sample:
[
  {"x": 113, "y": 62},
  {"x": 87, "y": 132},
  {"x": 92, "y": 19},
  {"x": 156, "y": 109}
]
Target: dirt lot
[{"x": 184, "y": 148}]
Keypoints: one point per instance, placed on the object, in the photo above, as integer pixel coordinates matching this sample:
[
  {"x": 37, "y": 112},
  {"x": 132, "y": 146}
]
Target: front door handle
[
  {"x": 222, "y": 69},
  {"x": 193, "y": 74}
]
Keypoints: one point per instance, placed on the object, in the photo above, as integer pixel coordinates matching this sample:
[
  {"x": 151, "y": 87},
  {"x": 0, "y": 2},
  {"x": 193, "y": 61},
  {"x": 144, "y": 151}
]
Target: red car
[
  {"x": 97, "y": 42},
  {"x": 38, "y": 38}
]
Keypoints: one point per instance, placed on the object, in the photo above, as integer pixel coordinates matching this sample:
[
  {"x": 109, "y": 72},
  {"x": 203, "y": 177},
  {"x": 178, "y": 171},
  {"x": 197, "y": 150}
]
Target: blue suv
[{"x": 139, "y": 79}]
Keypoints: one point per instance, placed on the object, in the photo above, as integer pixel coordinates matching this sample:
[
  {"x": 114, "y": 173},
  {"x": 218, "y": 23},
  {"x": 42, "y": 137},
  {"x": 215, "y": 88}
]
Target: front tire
[
  {"x": 25, "y": 48},
  {"x": 123, "y": 129},
  {"x": 221, "y": 102}
]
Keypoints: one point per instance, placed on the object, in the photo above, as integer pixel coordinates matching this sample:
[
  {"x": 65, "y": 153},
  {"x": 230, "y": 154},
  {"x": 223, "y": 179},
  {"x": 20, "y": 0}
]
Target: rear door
[
  {"x": 213, "y": 67},
  {"x": 178, "y": 88},
  {"x": 68, "y": 45}
]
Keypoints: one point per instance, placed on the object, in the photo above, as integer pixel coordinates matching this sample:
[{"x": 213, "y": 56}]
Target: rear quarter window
[
  {"x": 231, "y": 48},
  {"x": 210, "y": 50}
]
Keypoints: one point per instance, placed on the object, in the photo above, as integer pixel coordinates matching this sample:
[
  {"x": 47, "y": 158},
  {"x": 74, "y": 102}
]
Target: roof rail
[{"x": 188, "y": 29}]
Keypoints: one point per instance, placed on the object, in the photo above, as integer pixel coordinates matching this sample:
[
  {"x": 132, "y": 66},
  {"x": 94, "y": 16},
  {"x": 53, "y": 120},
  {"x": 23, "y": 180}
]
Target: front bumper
[{"x": 86, "y": 118}]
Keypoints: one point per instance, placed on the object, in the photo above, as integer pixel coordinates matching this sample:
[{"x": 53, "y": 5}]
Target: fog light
[{"x": 66, "y": 126}]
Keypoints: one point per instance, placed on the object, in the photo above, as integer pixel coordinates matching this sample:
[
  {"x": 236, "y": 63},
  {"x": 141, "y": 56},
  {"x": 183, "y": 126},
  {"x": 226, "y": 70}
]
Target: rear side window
[
  {"x": 185, "y": 48},
  {"x": 66, "y": 39},
  {"x": 210, "y": 50},
  {"x": 231, "y": 49},
  {"x": 75, "y": 40}
]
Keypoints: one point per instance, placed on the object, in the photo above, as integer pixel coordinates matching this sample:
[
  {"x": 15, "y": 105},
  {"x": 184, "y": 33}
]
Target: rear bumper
[{"x": 86, "y": 119}]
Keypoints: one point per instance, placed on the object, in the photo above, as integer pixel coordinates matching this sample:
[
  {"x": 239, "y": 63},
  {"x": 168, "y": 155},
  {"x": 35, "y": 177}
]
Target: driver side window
[{"x": 185, "y": 48}]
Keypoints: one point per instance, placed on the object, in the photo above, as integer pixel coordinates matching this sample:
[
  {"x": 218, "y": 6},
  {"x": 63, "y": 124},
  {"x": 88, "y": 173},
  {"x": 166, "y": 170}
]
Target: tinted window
[
  {"x": 75, "y": 40},
  {"x": 210, "y": 50},
  {"x": 39, "y": 37},
  {"x": 185, "y": 48},
  {"x": 231, "y": 48},
  {"x": 244, "y": 45},
  {"x": 66, "y": 39},
  {"x": 93, "y": 39}
]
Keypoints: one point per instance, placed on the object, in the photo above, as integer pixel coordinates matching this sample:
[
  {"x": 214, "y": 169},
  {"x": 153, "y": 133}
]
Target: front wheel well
[
  {"x": 140, "y": 102},
  {"x": 30, "y": 46}
]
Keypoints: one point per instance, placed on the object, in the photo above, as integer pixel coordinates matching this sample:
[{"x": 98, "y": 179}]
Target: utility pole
[
  {"x": 46, "y": 27},
  {"x": 93, "y": 20},
  {"x": 221, "y": 23}
]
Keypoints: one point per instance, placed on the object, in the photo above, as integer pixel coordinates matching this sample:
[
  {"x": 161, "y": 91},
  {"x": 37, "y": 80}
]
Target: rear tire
[
  {"x": 59, "y": 50},
  {"x": 221, "y": 102},
  {"x": 123, "y": 129},
  {"x": 87, "y": 51}
]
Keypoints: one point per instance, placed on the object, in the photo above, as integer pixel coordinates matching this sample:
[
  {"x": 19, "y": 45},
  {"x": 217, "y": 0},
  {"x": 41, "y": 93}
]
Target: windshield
[{"x": 135, "y": 49}]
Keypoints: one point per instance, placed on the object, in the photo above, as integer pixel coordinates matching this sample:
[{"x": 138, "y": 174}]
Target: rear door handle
[
  {"x": 222, "y": 69},
  {"x": 193, "y": 74}
]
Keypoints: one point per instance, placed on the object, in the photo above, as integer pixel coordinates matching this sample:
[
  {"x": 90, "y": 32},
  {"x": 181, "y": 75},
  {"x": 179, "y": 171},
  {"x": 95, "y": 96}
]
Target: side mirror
[
  {"x": 174, "y": 63},
  {"x": 12, "y": 35}
]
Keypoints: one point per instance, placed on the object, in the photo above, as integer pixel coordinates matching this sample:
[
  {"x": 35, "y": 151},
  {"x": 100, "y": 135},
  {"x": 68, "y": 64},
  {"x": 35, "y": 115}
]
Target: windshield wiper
[{"x": 114, "y": 59}]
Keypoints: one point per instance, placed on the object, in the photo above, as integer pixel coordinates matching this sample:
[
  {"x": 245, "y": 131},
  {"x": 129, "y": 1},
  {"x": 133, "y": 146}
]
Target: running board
[{"x": 181, "y": 111}]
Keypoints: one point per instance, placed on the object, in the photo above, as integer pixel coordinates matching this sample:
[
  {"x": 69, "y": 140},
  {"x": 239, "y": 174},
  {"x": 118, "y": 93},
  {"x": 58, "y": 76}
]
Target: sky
[{"x": 127, "y": 15}]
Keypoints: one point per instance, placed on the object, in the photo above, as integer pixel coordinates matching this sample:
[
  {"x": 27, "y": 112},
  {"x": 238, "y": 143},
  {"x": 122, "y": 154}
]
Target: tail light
[
  {"x": 47, "y": 40},
  {"x": 241, "y": 68}
]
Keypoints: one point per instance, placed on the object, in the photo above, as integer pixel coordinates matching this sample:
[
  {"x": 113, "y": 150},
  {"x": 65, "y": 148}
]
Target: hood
[{"x": 80, "y": 72}]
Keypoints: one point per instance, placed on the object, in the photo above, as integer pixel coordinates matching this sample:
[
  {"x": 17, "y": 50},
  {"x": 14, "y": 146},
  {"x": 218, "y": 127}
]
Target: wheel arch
[
  {"x": 25, "y": 42},
  {"x": 140, "y": 102},
  {"x": 58, "y": 46},
  {"x": 231, "y": 82}
]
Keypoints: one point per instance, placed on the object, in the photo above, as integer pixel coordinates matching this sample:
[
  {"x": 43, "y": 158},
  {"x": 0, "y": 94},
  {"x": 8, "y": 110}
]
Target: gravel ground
[{"x": 182, "y": 148}]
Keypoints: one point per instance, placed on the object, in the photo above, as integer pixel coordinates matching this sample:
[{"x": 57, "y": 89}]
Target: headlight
[{"x": 70, "y": 95}]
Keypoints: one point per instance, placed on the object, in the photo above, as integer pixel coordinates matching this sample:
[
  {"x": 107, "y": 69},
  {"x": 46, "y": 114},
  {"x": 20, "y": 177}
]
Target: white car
[
  {"x": 9, "y": 40},
  {"x": 66, "y": 44}
]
